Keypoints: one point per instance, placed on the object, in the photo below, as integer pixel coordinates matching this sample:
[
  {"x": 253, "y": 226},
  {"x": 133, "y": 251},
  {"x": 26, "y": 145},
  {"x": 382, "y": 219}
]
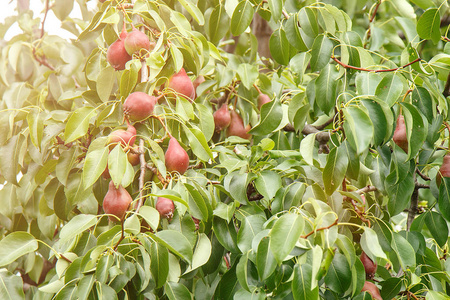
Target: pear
[
  {"x": 165, "y": 207},
  {"x": 444, "y": 170},
  {"x": 139, "y": 106},
  {"x": 263, "y": 99},
  {"x": 222, "y": 117},
  {"x": 124, "y": 137},
  {"x": 369, "y": 265},
  {"x": 137, "y": 40},
  {"x": 182, "y": 84},
  {"x": 177, "y": 159},
  {"x": 236, "y": 126},
  {"x": 116, "y": 54},
  {"x": 116, "y": 201},
  {"x": 400, "y": 137},
  {"x": 372, "y": 289}
]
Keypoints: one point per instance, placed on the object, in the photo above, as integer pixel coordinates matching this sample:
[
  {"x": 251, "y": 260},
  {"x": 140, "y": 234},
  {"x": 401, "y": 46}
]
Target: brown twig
[
  {"x": 319, "y": 229},
  {"x": 65, "y": 258},
  {"x": 446, "y": 39},
  {"x": 372, "y": 17},
  {"x": 47, "y": 7},
  {"x": 163, "y": 125},
  {"x": 375, "y": 71},
  {"x": 41, "y": 60},
  {"x": 424, "y": 177},
  {"x": 122, "y": 236},
  {"x": 143, "y": 164},
  {"x": 285, "y": 14},
  {"x": 413, "y": 207},
  {"x": 446, "y": 91},
  {"x": 366, "y": 189}
]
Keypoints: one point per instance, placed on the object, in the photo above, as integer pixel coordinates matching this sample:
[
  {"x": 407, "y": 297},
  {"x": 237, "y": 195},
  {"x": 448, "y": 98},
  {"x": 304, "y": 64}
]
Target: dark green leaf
[
  {"x": 242, "y": 17},
  {"x": 335, "y": 169}
]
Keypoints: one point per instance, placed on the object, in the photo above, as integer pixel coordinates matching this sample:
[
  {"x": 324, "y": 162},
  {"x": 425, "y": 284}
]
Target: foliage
[{"x": 283, "y": 215}]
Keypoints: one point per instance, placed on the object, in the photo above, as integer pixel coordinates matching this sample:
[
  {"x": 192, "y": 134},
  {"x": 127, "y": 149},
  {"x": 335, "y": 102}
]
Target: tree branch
[
  {"x": 319, "y": 229},
  {"x": 372, "y": 17},
  {"x": 143, "y": 165},
  {"x": 47, "y": 7},
  {"x": 424, "y": 177},
  {"x": 375, "y": 71}
]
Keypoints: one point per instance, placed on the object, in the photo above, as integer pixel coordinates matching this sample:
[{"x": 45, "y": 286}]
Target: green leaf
[
  {"x": 177, "y": 291},
  {"x": 117, "y": 165},
  {"x": 78, "y": 123},
  {"x": 218, "y": 24},
  {"x": 105, "y": 83},
  {"x": 390, "y": 287},
  {"x": 194, "y": 11},
  {"x": 265, "y": 261},
  {"x": 444, "y": 198},
  {"x": 11, "y": 286},
  {"x": 242, "y": 17},
  {"x": 302, "y": 283},
  {"x": 325, "y": 88},
  {"x": 284, "y": 235},
  {"x": 438, "y": 227},
  {"x": 35, "y": 122},
  {"x": 335, "y": 169},
  {"x": 151, "y": 216},
  {"x": 103, "y": 265},
  {"x": 416, "y": 129},
  {"x": 105, "y": 292},
  {"x": 268, "y": 183},
  {"x": 128, "y": 81},
  {"x": 428, "y": 25},
  {"x": 422, "y": 99},
  {"x": 307, "y": 148},
  {"x": 370, "y": 245},
  {"x": 399, "y": 192},
  {"x": 321, "y": 53},
  {"x": 236, "y": 185},
  {"x": 176, "y": 242},
  {"x": 226, "y": 234},
  {"x": 248, "y": 74},
  {"x": 271, "y": 117},
  {"x": 159, "y": 264},
  {"x": 405, "y": 252},
  {"x": 358, "y": 128},
  {"x": 308, "y": 21},
  {"x": 14, "y": 245},
  {"x": 198, "y": 206},
  {"x": 202, "y": 252},
  {"x": 76, "y": 226},
  {"x": 198, "y": 143},
  {"x": 390, "y": 88},
  {"x": 296, "y": 36},
  {"x": 280, "y": 48},
  {"x": 11, "y": 156},
  {"x": 250, "y": 227},
  {"x": 339, "y": 275},
  {"x": 242, "y": 271},
  {"x": 94, "y": 165}
]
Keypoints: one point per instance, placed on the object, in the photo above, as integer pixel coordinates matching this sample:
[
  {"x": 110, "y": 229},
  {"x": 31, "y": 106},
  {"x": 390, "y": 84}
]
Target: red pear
[
  {"x": 133, "y": 158},
  {"x": 400, "y": 137},
  {"x": 444, "y": 170},
  {"x": 222, "y": 117},
  {"x": 199, "y": 80},
  {"x": 137, "y": 40},
  {"x": 125, "y": 137},
  {"x": 372, "y": 289},
  {"x": 177, "y": 159},
  {"x": 116, "y": 201},
  {"x": 369, "y": 265},
  {"x": 116, "y": 54},
  {"x": 237, "y": 126},
  {"x": 165, "y": 207},
  {"x": 263, "y": 99},
  {"x": 139, "y": 106},
  {"x": 182, "y": 84}
]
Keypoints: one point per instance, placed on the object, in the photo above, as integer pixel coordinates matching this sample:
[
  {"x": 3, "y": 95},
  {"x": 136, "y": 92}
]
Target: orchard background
[{"x": 339, "y": 190}]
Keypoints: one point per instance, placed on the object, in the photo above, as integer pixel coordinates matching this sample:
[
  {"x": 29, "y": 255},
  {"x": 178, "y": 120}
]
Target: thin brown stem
[
  {"x": 163, "y": 125},
  {"x": 285, "y": 14},
  {"x": 375, "y": 71},
  {"x": 372, "y": 17},
  {"x": 424, "y": 177},
  {"x": 143, "y": 164},
  {"x": 319, "y": 229},
  {"x": 47, "y": 7},
  {"x": 122, "y": 236},
  {"x": 41, "y": 60}
]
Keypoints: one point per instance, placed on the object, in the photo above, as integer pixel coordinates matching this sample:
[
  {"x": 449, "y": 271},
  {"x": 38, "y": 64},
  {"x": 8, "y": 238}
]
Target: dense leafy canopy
[{"x": 283, "y": 214}]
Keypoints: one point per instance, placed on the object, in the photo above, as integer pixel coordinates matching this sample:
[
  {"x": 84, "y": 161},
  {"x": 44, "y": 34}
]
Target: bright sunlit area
[{"x": 52, "y": 23}]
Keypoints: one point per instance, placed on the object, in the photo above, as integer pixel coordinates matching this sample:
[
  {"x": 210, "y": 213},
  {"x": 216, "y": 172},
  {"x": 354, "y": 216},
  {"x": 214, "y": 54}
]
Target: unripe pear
[
  {"x": 139, "y": 106},
  {"x": 372, "y": 289},
  {"x": 369, "y": 265},
  {"x": 137, "y": 40},
  {"x": 182, "y": 84},
  {"x": 125, "y": 137},
  {"x": 165, "y": 207},
  {"x": 400, "y": 137},
  {"x": 237, "y": 128},
  {"x": 222, "y": 117},
  {"x": 116, "y": 201},
  {"x": 177, "y": 159},
  {"x": 444, "y": 170},
  {"x": 116, "y": 54},
  {"x": 263, "y": 99}
]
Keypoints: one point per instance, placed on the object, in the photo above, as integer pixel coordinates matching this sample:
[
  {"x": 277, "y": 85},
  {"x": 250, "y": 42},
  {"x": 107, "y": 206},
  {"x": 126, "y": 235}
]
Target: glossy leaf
[{"x": 284, "y": 234}]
